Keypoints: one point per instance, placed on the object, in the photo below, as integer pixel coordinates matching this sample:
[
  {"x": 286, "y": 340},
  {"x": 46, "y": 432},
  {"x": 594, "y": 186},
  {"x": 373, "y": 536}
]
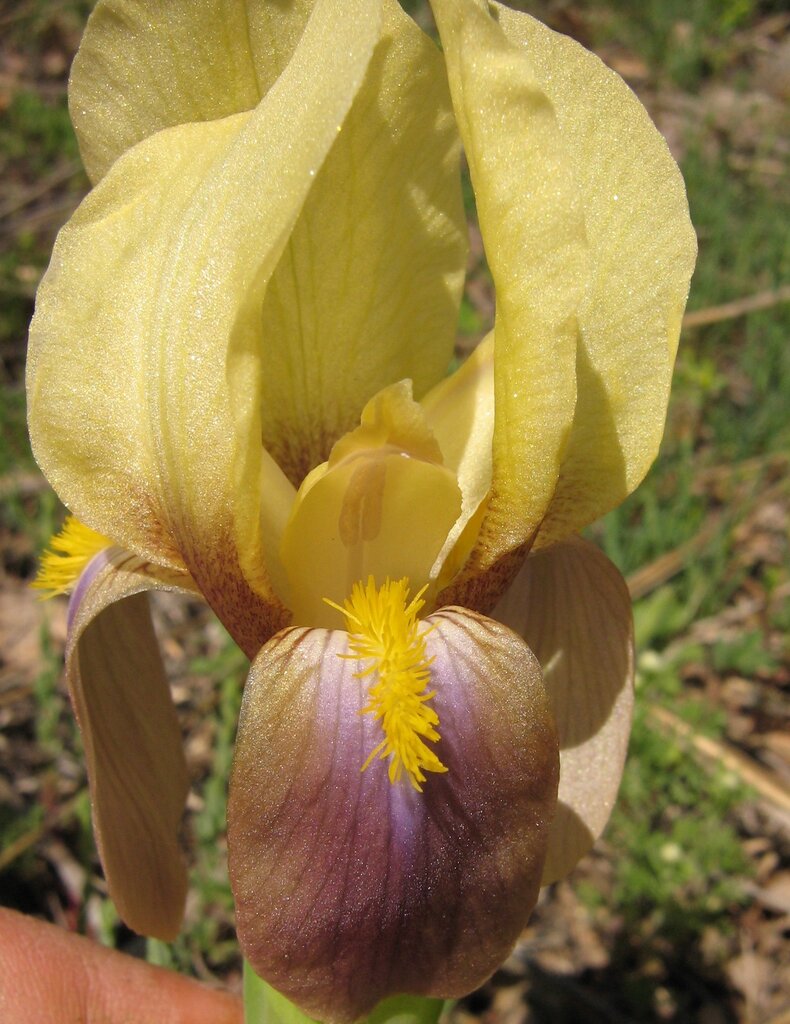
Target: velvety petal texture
[
  {"x": 642, "y": 250},
  {"x": 153, "y": 294},
  {"x": 572, "y": 607},
  {"x": 144, "y": 66},
  {"x": 349, "y": 888},
  {"x": 136, "y": 768},
  {"x": 531, "y": 220}
]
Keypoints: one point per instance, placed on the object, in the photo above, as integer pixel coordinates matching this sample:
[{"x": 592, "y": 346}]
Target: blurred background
[{"x": 682, "y": 911}]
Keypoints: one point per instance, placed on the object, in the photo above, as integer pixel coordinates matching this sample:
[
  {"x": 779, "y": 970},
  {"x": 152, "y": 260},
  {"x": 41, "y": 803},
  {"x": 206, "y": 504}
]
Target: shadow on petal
[
  {"x": 572, "y": 607},
  {"x": 569, "y": 840}
]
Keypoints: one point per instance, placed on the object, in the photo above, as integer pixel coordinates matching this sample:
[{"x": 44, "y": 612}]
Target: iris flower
[{"x": 238, "y": 384}]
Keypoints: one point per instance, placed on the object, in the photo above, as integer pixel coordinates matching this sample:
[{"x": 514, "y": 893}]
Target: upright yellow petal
[
  {"x": 145, "y": 361},
  {"x": 642, "y": 253},
  {"x": 367, "y": 290},
  {"x": 533, "y": 231},
  {"x": 145, "y": 66}
]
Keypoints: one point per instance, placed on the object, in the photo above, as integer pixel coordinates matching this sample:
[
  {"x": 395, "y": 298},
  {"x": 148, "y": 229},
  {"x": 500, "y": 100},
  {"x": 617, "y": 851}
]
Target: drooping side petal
[
  {"x": 135, "y": 763},
  {"x": 145, "y": 66},
  {"x": 572, "y": 607},
  {"x": 533, "y": 230},
  {"x": 642, "y": 248},
  {"x": 144, "y": 371},
  {"x": 349, "y": 888}
]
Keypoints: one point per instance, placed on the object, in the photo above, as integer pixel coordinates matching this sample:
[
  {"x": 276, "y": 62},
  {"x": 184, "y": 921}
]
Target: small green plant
[
  {"x": 681, "y": 863},
  {"x": 745, "y": 654},
  {"x": 49, "y": 703},
  {"x": 33, "y": 126}
]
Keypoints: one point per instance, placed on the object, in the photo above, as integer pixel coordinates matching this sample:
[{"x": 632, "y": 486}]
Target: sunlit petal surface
[
  {"x": 384, "y": 219},
  {"x": 531, "y": 219},
  {"x": 155, "y": 289},
  {"x": 642, "y": 252},
  {"x": 142, "y": 67}
]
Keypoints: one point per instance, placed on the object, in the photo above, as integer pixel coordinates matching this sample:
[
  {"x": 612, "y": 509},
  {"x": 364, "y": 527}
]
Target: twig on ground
[
  {"x": 771, "y": 462},
  {"x": 23, "y": 843},
  {"x": 52, "y": 215},
  {"x": 739, "y": 307},
  {"x": 651, "y": 576},
  {"x": 766, "y": 785},
  {"x": 51, "y": 181}
]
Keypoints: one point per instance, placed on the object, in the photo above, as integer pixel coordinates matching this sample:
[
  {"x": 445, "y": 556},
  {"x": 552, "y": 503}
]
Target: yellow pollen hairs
[
  {"x": 67, "y": 555},
  {"x": 385, "y": 631}
]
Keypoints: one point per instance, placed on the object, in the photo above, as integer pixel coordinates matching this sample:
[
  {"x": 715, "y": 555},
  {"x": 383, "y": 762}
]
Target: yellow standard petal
[
  {"x": 533, "y": 231},
  {"x": 384, "y": 220},
  {"x": 367, "y": 290},
  {"x": 144, "y": 370},
  {"x": 145, "y": 66},
  {"x": 642, "y": 252}
]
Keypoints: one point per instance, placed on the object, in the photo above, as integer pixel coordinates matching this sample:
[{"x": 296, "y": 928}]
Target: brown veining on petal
[
  {"x": 572, "y": 607},
  {"x": 249, "y": 617},
  {"x": 148, "y": 506},
  {"x": 297, "y": 453},
  {"x": 480, "y": 587},
  {"x": 205, "y": 560}
]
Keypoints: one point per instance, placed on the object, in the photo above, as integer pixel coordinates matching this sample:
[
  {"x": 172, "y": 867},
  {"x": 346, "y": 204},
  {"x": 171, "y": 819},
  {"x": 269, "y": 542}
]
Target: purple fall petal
[{"x": 349, "y": 888}]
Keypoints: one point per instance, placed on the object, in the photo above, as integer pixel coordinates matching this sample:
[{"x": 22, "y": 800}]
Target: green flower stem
[{"x": 265, "y": 1005}]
